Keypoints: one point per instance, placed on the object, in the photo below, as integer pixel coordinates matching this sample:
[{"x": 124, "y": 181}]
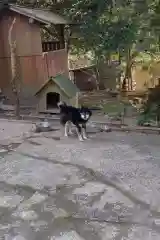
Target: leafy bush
[{"x": 151, "y": 108}]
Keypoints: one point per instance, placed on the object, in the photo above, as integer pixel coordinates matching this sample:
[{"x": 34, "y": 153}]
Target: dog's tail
[
  {"x": 63, "y": 112},
  {"x": 63, "y": 107},
  {"x": 61, "y": 104}
]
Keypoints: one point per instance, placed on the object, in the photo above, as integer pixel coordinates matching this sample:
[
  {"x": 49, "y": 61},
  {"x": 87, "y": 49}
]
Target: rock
[
  {"x": 42, "y": 127},
  {"x": 26, "y": 215},
  {"x": 19, "y": 237},
  {"x": 106, "y": 128}
]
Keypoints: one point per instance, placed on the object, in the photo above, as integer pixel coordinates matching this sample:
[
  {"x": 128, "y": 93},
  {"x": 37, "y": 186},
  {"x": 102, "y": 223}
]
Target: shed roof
[
  {"x": 64, "y": 83},
  {"x": 41, "y": 15}
]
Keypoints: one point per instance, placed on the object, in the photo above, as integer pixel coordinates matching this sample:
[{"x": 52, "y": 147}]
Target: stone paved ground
[
  {"x": 12, "y": 129},
  {"x": 61, "y": 189}
]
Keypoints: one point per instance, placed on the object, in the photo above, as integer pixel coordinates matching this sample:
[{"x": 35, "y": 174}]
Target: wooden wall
[{"x": 34, "y": 67}]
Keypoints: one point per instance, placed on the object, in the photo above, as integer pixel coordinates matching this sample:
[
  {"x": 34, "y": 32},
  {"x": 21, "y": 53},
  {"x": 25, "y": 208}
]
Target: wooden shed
[
  {"x": 58, "y": 88},
  {"x": 37, "y": 60}
]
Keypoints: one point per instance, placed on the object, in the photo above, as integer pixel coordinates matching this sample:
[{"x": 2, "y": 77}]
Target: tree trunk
[
  {"x": 67, "y": 37},
  {"x": 120, "y": 72},
  {"x": 17, "y": 107},
  {"x": 97, "y": 78},
  {"x": 128, "y": 72},
  {"x": 14, "y": 71}
]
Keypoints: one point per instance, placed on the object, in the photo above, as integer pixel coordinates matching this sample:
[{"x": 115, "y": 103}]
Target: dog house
[{"x": 58, "y": 88}]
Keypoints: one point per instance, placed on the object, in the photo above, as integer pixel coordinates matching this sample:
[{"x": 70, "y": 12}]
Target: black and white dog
[{"x": 76, "y": 116}]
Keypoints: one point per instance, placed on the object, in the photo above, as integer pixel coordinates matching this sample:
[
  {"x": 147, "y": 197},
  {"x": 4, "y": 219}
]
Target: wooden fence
[{"x": 97, "y": 98}]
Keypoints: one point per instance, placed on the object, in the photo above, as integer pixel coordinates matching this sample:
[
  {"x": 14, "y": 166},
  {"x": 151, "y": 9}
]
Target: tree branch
[{"x": 55, "y": 33}]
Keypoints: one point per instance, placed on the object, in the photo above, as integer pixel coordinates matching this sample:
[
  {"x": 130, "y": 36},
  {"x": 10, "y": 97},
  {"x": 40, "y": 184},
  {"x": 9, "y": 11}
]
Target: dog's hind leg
[
  {"x": 79, "y": 132},
  {"x": 70, "y": 129},
  {"x": 66, "y": 129},
  {"x": 84, "y": 133}
]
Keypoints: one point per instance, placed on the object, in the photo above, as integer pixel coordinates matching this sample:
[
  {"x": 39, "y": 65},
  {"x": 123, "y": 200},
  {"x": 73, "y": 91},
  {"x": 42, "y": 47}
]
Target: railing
[
  {"x": 96, "y": 97},
  {"x": 51, "y": 46}
]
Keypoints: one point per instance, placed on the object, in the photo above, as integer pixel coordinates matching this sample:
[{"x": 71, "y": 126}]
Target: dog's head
[{"x": 85, "y": 113}]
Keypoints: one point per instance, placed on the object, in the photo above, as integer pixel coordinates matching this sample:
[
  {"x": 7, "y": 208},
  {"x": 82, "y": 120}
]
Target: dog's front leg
[
  {"x": 79, "y": 132},
  {"x": 84, "y": 133}
]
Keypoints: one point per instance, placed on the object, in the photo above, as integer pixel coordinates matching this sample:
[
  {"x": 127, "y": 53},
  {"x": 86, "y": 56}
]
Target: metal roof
[
  {"x": 40, "y": 15},
  {"x": 64, "y": 83}
]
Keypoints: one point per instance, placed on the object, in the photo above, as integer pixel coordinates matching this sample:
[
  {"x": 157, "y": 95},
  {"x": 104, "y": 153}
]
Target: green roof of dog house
[{"x": 64, "y": 83}]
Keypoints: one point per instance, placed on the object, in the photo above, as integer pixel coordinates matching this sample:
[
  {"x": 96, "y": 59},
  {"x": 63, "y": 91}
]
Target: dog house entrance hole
[{"x": 52, "y": 99}]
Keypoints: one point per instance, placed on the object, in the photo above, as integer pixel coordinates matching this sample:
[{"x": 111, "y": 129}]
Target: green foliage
[
  {"x": 155, "y": 22},
  {"x": 151, "y": 108},
  {"x": 109, "y": 27},
  {"x": 105, "y": 27}
]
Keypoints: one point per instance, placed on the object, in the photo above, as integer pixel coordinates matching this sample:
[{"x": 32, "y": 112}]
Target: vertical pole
[
  {"x": 15, "y": 79},
  {"x": 77, "y": 99},
  {"x": 61, "y": 34}
]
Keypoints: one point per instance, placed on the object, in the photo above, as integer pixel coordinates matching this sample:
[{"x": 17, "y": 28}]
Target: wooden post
[
  {"x": 15, "y": 81},
  {"x": 77, "y": 99},
  {"x": 61, "y": 34}
]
